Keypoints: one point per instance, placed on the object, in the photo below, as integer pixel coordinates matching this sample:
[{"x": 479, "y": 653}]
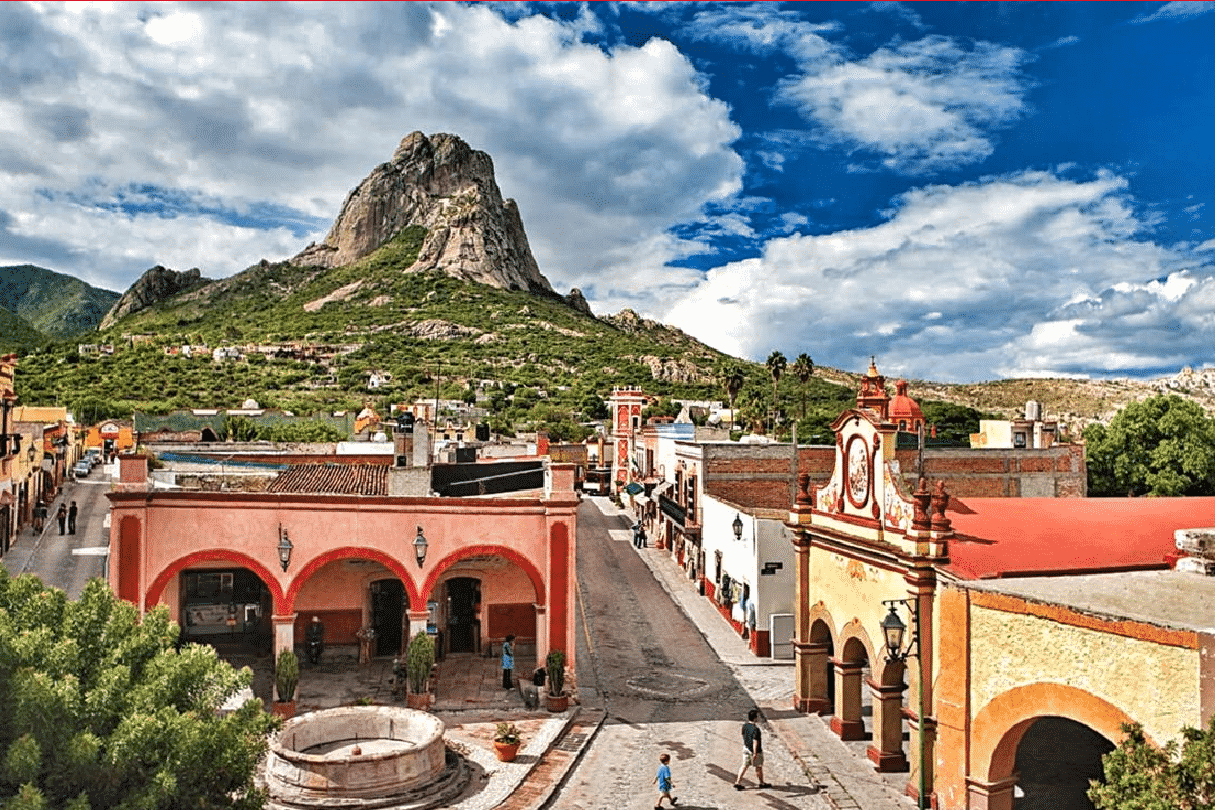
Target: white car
[{"x": 82, "y": 468}]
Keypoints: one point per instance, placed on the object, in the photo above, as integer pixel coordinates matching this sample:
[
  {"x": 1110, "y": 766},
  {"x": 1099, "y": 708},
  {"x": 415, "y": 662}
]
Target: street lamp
[
  {"x": 738, "y": 526},
  {"x": 284, "y": 547},
  {"x": 893, "y": 632},
  {"x": 419, "y": 547}
]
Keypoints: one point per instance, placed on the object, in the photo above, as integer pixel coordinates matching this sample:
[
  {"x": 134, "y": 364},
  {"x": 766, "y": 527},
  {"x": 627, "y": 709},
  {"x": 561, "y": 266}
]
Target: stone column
[
  {"x": 886, "y": 752},
  {"x": 805, "y": 660},
  {"x": 417, "y": 623},
  {"x": 847, "y": 722},
  {"x": 818, "y": 671},
  {"x": 284, "y": 637},
  {"x": 541, "y": 635},
  {"x": 997, "y": 795}
]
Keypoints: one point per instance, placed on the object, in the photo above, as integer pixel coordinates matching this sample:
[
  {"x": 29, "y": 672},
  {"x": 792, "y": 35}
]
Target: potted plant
[
  {"x": 506, "y": 742},
  {"x": 286, "y": 679},
  {"x": 420, "y": 658},
  {"x": 557, "y": 700}
]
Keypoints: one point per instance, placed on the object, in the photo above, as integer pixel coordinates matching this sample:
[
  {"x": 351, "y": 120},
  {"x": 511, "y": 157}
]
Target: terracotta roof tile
[{"x": 333, "y": 479}]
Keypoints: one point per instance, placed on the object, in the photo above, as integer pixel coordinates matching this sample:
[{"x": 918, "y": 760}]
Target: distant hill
[{"x": 56, "y": 306}]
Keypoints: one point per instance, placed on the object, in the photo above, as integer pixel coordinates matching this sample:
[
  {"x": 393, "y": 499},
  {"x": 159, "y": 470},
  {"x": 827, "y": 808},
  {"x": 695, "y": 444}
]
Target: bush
[
  {"x": 421, "y": 657},
  {"x": 555, "y": 664},
  {"x": 287, "y": 675}
]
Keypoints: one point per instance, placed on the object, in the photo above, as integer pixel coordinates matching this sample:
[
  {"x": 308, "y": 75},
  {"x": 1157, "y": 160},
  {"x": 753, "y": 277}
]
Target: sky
[{"x": 966, "y": 191}]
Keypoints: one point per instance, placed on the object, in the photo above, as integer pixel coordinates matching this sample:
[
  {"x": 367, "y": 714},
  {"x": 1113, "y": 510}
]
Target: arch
[
  {"x": 819, "y": 613},
  {"x": 999, "y": 726},
  {"x": 850, "y": 635},
  {"x": 157, "y": 588},
  {"x": 487, "y": 550},
  {"x": 348, "y": 553}
]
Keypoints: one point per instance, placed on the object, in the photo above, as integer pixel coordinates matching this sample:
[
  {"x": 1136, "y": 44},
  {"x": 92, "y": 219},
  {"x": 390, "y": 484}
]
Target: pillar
[
  {"x": 929, "y": 730},
  {"x": 818, "y": 670},
  {"x": 982, "y": 795},
  {"x": 542, "y": 635},
  {"x": 847, "y": 722},
  {"x": 886, "y": 752},
  {"x": 284, "y": 636},
  {"x": 804, "y": 659},
  {"x": 418, "y": 620}
]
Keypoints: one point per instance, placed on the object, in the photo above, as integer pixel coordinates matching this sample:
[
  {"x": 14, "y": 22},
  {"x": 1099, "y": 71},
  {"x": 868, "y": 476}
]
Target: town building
[
  {"x": 364, "y": 547},
  {"x": 1017, "y": 612}
]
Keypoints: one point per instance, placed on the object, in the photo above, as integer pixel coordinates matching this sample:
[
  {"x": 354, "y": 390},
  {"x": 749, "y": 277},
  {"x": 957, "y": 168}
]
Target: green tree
[
  {"x": 732, "y": 380},
  {"x": 776, "y": 367},
  {"x": 1140, "y": 776},
  {"x": 803, "y": 369},
  {"x": 1162, "y": 446},
  {"x": 99, "y": 708}
]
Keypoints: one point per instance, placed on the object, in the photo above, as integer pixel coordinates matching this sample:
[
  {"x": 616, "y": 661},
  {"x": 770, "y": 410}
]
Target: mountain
[
  {"x": 157, "y": 284},
  {"x": 441, "y": 184},
  {"x": 55, "y": 305}
]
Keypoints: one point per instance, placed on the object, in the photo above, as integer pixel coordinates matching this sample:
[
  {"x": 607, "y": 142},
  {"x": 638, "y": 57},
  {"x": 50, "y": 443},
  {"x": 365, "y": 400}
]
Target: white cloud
[
  {"x": 290, "y": 106},
  {"x": 922, "y": 105},
  {"x": 1176, "y": 11},
  {"x": 1012, "y": 276}
]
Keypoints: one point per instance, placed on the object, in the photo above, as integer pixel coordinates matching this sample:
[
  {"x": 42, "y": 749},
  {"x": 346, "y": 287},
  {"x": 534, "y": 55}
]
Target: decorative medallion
[{"x": 857, "y": 472}]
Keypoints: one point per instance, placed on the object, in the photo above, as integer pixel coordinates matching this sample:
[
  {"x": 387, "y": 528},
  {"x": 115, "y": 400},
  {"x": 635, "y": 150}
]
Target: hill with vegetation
[{"x": 47, "y": 305}]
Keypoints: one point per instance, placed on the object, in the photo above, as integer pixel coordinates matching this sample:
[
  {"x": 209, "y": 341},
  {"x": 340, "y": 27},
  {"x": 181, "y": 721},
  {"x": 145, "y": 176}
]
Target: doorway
[
  {"x": 463, "y": 628},
  {"x": 387, "y": 615},
  {"x": 1056, "y": 760}
]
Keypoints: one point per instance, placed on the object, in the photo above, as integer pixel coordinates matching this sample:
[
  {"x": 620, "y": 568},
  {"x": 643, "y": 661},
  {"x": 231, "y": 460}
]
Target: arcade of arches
[{"x": 493, "y": 566}]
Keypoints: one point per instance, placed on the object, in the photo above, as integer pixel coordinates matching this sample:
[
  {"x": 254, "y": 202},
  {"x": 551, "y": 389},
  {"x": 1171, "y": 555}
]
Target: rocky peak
[
  {"x": 576, "y": 301},
  {"x": 445, "y": 186},
  {"x": 153, "y": 286}
]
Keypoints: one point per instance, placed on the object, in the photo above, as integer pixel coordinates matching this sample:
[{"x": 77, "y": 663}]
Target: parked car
[
  {"x": 93, "y": 456},
  {"x": 82, "y": 468}
]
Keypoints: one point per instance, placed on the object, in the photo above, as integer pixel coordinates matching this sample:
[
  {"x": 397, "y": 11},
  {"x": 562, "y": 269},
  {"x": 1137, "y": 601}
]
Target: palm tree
[
  {"x": 803, "y": 369},
  {"x": 776, "y": 367},
  {"x": 732, "y": 380}
]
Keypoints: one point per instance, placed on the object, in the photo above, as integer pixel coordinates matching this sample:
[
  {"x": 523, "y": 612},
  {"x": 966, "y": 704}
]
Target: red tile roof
[
  {"x": 1028, "y": 536},
  {"x": 332, "y": 479}
]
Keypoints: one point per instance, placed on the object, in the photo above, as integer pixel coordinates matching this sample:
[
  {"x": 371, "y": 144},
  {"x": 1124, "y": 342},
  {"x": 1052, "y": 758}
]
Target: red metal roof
[{"x": 1037, "y": 536}]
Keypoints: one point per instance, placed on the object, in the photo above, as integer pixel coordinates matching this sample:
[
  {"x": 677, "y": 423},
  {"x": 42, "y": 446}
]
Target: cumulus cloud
[
  {"x": 1023, "y": 275},
  {"x": 922, "y": 105},
  {"x": 227, "y": 111}
]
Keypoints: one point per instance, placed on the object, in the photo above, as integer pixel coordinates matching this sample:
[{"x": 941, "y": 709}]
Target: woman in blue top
[
  {"x": 663, "y": 780},
  {"x": 508, "y": 661}
]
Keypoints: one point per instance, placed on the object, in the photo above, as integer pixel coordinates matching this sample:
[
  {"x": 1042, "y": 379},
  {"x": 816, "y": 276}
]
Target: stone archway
[
  {"x": 1055, "y": 761},
  {"x": 999, "y": 727},
  {"x": 156, "y": 590},
  {"x": 821, "y": 697},
  {"x": 851, "y": 666}
]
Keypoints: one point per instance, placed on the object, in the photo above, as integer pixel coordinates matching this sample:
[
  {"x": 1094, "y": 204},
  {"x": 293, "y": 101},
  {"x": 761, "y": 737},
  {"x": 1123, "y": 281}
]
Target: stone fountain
[{"x": 364, "y": 757}]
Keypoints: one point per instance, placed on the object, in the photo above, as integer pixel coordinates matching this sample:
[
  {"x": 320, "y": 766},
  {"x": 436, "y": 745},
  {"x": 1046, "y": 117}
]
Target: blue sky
[{"x": 967, "y": 191}]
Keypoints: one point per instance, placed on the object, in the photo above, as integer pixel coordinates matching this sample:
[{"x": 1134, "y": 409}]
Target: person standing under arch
[{"x": 508, "y": 661}]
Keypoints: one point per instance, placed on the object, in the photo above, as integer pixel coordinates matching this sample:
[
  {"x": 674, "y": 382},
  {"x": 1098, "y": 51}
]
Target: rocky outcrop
[
  {"x": 578, "y": 302},
  {"x": 445, "y": 186},
  {"x": 154, "y": 286}
]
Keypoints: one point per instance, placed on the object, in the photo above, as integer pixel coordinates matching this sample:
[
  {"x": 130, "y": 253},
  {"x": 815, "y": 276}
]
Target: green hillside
[
  {"x": 56, "y": 305},
  {"x": 16, "y": 335},
  {"x": 530, "y": 358}
]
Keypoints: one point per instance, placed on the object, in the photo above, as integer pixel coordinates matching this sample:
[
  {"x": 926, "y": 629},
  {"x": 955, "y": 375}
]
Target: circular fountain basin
[{"x": 356, "y": 753}]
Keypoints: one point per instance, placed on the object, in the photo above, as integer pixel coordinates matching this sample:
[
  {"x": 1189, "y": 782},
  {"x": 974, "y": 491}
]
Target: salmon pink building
[{"x": 342, "y": 542}]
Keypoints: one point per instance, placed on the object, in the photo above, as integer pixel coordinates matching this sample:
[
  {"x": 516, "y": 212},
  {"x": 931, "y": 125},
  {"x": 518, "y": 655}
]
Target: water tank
[{"x": 1033, "y": 410}]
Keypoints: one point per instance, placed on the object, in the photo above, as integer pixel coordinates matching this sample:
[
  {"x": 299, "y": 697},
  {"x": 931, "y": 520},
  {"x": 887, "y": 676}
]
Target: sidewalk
[{"x": 848, "y": 777}]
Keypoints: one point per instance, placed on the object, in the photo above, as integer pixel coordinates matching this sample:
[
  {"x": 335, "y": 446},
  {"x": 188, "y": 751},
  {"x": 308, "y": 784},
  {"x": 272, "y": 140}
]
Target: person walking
[
  {"x": 61, "y": 516},
  {"x": 508, "y": 661},
  {"x": 39, "y": 516},
  {"x": 72, "y": 512},
  {"x": 664, "y": 782},
  {"x": 753, "y": 751}
]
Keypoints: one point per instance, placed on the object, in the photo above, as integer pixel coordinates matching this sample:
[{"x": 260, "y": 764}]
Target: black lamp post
[
  {"x": 419, "y": 547},
  {"x": 893, "y": 632},
  {"x": 738, "y": 526},
  {"x": 284, "y": 548}
]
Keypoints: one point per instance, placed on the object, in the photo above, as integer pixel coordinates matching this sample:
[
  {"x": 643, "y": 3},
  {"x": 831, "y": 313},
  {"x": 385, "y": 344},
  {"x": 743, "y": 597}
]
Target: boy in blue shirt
[{"x": 663, "y": 780}]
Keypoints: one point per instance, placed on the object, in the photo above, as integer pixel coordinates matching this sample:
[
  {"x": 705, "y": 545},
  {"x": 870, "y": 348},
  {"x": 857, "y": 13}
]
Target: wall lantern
[
  {"x": 737, "y": 524},
  {"x": 284, "y": 547},
  {"x": 893, "y": 632},
  {"x": 419, "y": 547}
]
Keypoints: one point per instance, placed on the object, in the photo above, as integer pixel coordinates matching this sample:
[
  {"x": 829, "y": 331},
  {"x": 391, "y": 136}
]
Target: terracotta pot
[
  {"x": 557, "y": 703},
  {"x": 506, "y": 752},
  {"x": 418, "y": 701},
  {"x": 284, "y": 709}
]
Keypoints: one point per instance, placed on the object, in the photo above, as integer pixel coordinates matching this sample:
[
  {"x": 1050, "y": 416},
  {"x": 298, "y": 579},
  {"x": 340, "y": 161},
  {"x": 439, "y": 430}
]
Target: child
[{"x": 663, "y": 780}]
